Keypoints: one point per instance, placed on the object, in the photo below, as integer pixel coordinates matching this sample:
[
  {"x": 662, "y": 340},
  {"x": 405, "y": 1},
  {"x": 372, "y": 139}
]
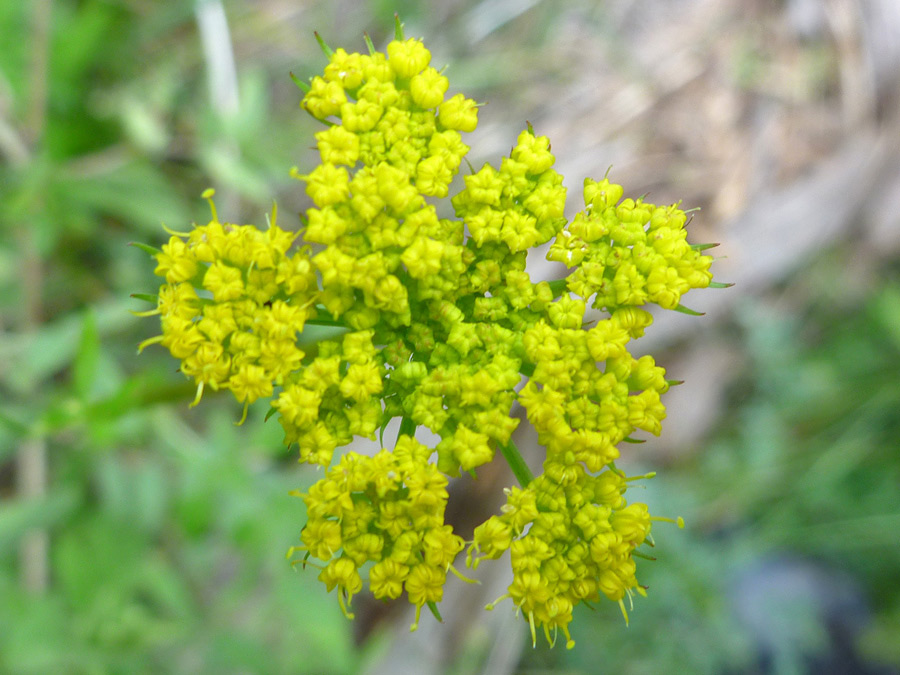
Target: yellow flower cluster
[
  {"x": 333, "y": 398},
  {"x": 389, "y": 264},
  {"x": 466, "y": 402},
  {"x": 441, "y": 327},
  {"x": 578, "y": 409},
  {"x": 578, "y": 545},
  {"x": 233, "y": 305},
  {"x": 521, "y": 204},
  {"x": 387, "y": 509},
  {"x": 396, "y": 143},
  {"x": 629, "y": 252}
]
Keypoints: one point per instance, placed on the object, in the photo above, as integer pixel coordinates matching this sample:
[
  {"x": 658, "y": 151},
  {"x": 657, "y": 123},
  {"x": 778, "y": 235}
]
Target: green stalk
[
  {"x": 514, "y": 458},
  {"x": 558, "y": 286},
  {"x": 407, "y": 427}
]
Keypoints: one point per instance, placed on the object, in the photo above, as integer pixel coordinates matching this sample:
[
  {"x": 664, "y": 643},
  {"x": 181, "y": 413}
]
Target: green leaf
[
  {"x": 14, "y": 425},
  {"x": 102, "y": 553},
  {"x": 233, "y": 171},
  {"x": 19, "y": 516},
  {"x": 47, "y": 351},
  {"x": 886, "y": 308},
  {"x": 134, "y": 192},
  {"x": 84, "y": 368}
]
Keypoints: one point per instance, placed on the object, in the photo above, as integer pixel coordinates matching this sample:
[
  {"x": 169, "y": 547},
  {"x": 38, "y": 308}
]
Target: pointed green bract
[
  {"x": 328, "y": 51},
  {"x": 687, "y": 310},
  {"x": 152, "y": 250},
  {"x": 301, "y": 85}
]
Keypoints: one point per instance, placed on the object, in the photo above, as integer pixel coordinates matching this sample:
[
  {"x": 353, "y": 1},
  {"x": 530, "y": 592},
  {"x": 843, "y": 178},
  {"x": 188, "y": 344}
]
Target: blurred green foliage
[
  {"x": 167, "y": 525},
  {"x": 167, "y": 528}
]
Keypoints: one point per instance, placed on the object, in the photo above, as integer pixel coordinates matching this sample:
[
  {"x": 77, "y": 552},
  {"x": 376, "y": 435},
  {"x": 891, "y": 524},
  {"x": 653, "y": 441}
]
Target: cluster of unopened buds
[{"x": 442, "y": 328}]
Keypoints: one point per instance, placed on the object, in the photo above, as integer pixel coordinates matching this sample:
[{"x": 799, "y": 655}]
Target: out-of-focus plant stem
[
  {"x": 224, "y": 98},
  {"x": 31, "y": 464}
]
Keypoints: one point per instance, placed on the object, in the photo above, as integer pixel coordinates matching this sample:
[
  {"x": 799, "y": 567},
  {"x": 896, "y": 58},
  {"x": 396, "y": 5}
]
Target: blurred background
[{"x": 137, "y": 535}]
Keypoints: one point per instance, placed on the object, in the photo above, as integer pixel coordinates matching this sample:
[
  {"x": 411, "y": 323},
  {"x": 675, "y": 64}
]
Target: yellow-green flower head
[
  {"x": 347, "y": 70},
  {"x": 534, "y": 152},
  {"x": 570, "y": 549},
  {"x": 338, "y": 146},
  {"x": 324, "y": 99},
  {"x": 244, "y": 337},
  {"x": 428, "y": 88},
  {"x": 408, "y": 57},
  {"x": 327, "y": 184},
  {"x": 395, "y": 154},
  {"x": 387, "y": 509},
  {"x": 434, "y": 320},
  {"x": 458, "y": 112},
  {"x": 629, "y": 252}
]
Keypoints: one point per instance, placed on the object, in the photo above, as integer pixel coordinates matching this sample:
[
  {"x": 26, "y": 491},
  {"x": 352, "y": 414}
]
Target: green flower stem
[
  {"x": 514, "y": 458},
  {"x": 407, "y": 427},
  {"x": 558, "y": 286}
]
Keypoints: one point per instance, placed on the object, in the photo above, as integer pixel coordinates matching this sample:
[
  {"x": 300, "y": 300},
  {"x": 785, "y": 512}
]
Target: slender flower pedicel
[{"x": 443, "y": 329}]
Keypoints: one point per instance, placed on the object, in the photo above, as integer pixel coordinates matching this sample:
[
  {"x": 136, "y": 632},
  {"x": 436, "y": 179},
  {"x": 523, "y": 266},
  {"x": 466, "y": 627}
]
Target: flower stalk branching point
[{"x": 436, "y": 321}]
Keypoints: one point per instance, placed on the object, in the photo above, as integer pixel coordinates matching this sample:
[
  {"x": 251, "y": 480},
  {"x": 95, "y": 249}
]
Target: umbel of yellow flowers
[{"x": 443, "y": 329}]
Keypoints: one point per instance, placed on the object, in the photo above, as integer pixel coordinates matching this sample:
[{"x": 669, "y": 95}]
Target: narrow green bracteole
[
  {"x": 369, "y": 44},
  {"x": 434, "y": 610},
  {"x": 146, "y": 248},
  {"x": 687, "y": 310},
  {"x": 328, "y": 51},
  {"x": 301, "y": 85}
]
